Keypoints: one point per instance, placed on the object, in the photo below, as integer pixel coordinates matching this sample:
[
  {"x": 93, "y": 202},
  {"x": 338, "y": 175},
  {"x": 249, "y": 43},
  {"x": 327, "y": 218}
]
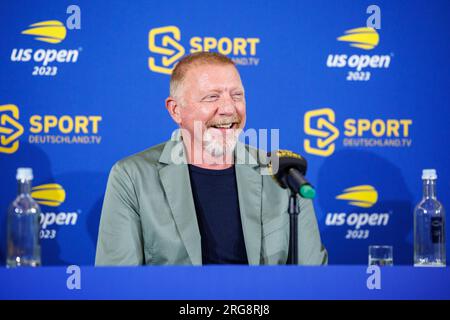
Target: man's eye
[
  {"x": 211, "y": 97},
  {"x": 237, "y": 95}
]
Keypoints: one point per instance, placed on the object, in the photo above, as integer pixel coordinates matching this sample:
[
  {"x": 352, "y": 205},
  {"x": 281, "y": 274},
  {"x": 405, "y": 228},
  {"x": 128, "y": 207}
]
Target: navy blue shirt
[{"x": 218, "y": 215}]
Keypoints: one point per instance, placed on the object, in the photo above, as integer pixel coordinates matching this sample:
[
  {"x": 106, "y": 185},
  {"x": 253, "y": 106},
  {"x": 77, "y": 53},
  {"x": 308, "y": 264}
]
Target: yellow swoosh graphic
[
  {"x": 364, "y": 196},
  {"x": 363, "y": 38},
  {"x": 52, "y": 31},
  {"x": 51, "y": 194}
]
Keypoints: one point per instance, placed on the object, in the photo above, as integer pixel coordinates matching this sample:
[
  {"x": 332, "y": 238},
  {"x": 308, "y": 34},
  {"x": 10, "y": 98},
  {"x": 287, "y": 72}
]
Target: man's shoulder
[{"x": 145, "y": 159}]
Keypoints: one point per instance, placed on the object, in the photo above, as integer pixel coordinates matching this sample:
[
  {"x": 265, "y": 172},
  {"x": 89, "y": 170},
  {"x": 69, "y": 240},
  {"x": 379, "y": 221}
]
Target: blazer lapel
[
  {"x": 249, "y": 184},
  {"x": 176, "y": 182}
]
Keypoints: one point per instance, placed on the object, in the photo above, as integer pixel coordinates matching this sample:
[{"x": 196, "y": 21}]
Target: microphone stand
[{"x": 293, "y": 234}]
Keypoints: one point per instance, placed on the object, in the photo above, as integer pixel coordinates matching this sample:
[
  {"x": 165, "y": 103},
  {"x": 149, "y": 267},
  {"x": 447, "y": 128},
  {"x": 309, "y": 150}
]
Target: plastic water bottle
[
  {"x": 23, "y": 225},
  {"x": 429, "y": 226}
]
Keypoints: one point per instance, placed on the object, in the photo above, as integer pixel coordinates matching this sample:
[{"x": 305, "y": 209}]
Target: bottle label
[{"x": 436, "y": 229}]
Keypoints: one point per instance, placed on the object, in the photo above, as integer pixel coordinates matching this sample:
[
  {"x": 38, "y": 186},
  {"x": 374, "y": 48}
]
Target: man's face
[{"x": 212, "y": 107}]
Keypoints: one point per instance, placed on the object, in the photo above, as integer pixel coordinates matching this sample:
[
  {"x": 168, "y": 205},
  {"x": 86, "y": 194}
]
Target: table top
[{"x": 225, "y": 282}]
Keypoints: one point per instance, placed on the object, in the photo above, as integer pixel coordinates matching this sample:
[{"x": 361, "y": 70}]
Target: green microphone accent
[{"x": 307, "y": 191}]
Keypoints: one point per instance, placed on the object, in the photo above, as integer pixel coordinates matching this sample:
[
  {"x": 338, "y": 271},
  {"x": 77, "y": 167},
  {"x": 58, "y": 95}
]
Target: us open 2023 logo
[
  {"x": 359, "y": 219},
  {"x": 359, "y": 66},
  {"x": 50, "y": 196},
  {"x": 46, "y": 55}
]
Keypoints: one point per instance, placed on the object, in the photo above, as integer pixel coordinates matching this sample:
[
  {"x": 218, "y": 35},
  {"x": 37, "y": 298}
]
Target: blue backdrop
[{"x": 84, "y": 86}]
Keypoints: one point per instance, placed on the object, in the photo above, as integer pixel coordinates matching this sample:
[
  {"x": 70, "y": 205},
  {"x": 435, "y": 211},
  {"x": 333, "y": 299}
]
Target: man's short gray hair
[{"x": 194, "y": 59}]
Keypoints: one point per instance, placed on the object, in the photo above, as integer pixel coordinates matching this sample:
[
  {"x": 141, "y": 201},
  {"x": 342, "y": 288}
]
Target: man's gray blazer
[{"x": 148, "y": 215}]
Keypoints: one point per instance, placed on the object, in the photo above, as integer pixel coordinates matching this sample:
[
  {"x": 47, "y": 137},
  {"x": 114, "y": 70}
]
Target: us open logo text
[
  {"x": 47, "y": 55},
  {"x": 357, "y": 222},
  {"x": 359, "y": 66},
  {"x": 52, "y": 195}
]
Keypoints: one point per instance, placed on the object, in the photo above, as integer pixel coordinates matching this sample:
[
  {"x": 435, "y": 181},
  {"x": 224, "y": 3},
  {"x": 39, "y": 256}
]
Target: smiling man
[
  {"x": 201, "y": 197},
  {"x": 207, "y": 101}
]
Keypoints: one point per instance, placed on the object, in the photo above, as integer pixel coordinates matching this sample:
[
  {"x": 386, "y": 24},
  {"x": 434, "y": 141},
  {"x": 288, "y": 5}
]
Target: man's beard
[{"x": 220, "y": 144}]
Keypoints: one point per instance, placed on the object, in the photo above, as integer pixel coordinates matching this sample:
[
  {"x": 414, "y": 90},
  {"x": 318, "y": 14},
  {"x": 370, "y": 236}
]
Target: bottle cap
[
  {"x": 24, "y": 174},
  {"x": 429, "y": 174}
]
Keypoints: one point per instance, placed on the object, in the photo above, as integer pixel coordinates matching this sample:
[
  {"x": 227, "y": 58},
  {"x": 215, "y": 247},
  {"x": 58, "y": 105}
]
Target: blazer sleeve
[
  {"x": 310, "y": 248},
  {"x": 120, "y": 233}
]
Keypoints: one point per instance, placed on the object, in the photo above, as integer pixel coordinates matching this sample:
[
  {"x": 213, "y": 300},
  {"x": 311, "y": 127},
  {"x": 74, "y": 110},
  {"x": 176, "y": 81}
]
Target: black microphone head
[{"x": 283, "y": 160}]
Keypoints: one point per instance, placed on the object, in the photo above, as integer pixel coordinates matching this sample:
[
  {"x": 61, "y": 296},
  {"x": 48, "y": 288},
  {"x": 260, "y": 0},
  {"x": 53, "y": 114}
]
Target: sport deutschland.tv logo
[
  {"x": 165, "y": 45},
  {"x": 355, "y": 222},
  {"x": 320, "y": 124},
  {"x": 10, "y": 128},
  {"x": 359, "y": 66},
  {"x": 170, "y": 48},
  {"x": 46, "y": 129},
  {"x": 321, "y": 128},
  {"x": 46, "y": 60}
]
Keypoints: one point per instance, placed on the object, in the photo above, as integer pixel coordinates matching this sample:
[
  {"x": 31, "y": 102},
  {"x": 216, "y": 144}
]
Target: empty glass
[{"x": 381, "y": 256}]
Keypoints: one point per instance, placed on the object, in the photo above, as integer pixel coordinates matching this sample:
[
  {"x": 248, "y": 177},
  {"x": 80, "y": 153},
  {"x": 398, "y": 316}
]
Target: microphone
[{"x": 290, "y": 170}]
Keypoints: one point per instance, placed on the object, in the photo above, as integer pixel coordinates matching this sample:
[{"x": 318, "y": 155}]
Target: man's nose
[{"x": 227, "y": 107}]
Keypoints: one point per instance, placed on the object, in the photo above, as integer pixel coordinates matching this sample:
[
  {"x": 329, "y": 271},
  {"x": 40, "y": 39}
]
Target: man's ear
[{"x": 174, "y": 109}]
